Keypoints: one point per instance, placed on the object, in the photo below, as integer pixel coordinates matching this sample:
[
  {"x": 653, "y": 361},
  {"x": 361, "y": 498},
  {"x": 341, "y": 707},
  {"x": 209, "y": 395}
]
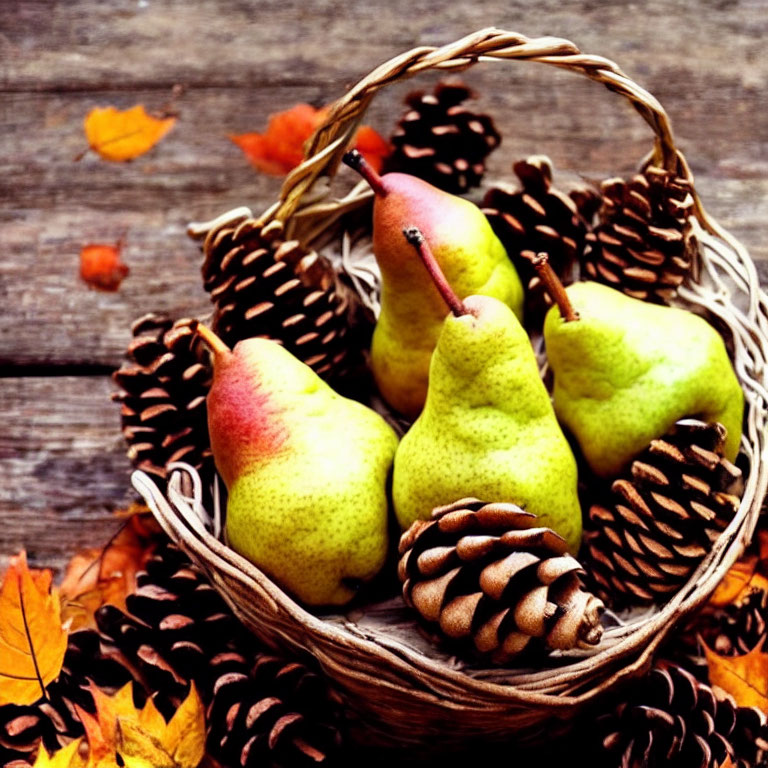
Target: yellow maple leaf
[
  {"x": 32, "y": 639},
  {"x": 68, "y": 757},
  {"x": 141, "y": 737},
  {"x": 744, "y": 677},
  {"x": 184, "y": 737},
  {"x": 120, "y": 135}
]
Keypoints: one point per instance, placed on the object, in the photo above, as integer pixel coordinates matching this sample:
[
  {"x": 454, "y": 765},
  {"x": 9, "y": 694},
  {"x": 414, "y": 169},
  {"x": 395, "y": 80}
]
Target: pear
[
  {"x": 306, "y": 470},
  {"x": 487, "y": 429},
  {"x": 469, "y": 254},
  {"x": 625, "y": 371}
]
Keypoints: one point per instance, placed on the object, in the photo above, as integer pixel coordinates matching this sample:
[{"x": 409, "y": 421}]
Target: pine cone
[
  {"x": 731, "y": 630},
  {"x": 441, "y": 141},
  {"x": 643, "y": 245},
  {"x": 260, "y": 708},
  {"x": 272, "y": 712},
  {"x": 539, "y": 218},
  {"x": 485, "y": 573},
  {"x": 669, "y": 719},
  {"x": 163, "y": 410},
  {"x": 262, "y": 285},
  {"x": 663, "y": 518}
]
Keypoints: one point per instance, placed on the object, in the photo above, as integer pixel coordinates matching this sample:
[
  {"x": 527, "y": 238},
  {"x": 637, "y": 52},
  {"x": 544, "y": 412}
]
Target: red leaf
[
  {"x": 101, "y": 267},
  {"x": 281, "y": 148},
  {"x": 372, "y": 147}
]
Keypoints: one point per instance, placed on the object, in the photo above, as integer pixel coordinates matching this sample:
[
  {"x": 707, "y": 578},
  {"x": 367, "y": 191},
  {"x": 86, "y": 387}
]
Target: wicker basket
[{"x": 397, "y": 687}]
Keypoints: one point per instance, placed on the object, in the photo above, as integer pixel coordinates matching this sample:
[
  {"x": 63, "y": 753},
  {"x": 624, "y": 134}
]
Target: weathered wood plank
[{"x": 63, "y": 465}]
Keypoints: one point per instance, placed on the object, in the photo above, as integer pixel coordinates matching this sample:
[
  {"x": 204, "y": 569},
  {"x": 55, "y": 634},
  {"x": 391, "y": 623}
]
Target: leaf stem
[{"x": 29, "y": 641}]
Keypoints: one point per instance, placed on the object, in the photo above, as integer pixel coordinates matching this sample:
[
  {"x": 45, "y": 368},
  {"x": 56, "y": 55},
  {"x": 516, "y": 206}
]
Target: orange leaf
[
  {"x": 101, "y": 267},
  {"x": 123, "y": 135},
  {"x": 744, "y": 576},
  {"x": 281, "y": 148},
  {"x": 743, "y": 677},
  {"x": 372, "y": 146},
  {"x": 104, "y": 575},
  {"x": 32, "y": 640},
  {"x": 141, "y": 737}
]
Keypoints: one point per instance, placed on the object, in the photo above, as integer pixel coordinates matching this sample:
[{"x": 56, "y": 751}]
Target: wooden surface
[{"x": 61, "y": 455}]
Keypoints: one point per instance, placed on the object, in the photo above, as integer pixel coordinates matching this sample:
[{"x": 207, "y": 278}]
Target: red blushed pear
[
  {"x": 469, "y": 254},
  {"x": 306, "y": 470},
  {"x": 488, "y": 429}
]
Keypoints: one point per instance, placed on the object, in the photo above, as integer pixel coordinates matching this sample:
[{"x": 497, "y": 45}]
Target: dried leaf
[
  {"x": 67, "y": 757},
  {"x": 372, "y": 146},
  {"x": 281, "y": 148},
  {"x": 101, "y": 266},
  {"x": 120, "y": 135},
  {"x": 141, "y": 737},
  {"x": 32, "y": 639},
  {"x": 744, "y": 576},
  {"x": 743, "y": 677},
  {"x": 105, "y": 575},
  {"x": 184, "y": 738}
]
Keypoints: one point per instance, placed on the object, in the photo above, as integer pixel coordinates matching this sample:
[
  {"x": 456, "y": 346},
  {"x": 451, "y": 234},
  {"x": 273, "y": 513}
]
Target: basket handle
[{"x": 327, "y": 145}]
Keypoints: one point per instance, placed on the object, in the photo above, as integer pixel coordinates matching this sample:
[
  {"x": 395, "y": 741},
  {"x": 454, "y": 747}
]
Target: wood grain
[{"x": 237, "y": 61}]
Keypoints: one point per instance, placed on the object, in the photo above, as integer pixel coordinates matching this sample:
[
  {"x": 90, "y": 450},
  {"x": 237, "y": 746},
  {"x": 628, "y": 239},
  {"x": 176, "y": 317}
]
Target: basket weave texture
[{"x": 397, "y": 687}]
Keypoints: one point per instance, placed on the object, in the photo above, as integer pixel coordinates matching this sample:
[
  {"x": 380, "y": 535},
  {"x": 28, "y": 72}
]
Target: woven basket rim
[{"x": 731, "y": 280}]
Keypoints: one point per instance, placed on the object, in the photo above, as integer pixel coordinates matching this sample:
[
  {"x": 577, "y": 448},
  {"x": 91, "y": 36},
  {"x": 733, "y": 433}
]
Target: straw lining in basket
[{"x": 402, "y": 690}]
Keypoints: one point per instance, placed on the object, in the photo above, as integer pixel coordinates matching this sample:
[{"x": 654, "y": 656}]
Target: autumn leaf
[
  {"x": 141, "y": 737},
  {"x": 281, "y": 148},
  {"x": 744, "y": 677},
  {"x": 372, "y": 146},
  {"x": 32, "y": 640},
  {"x": 101, "y": 266},
  {"x": 120, "y": 135},
  {"x": 744, "y": 576},
  {"x": 67, "y": 757},
  {"x": 105, "y": 575}
]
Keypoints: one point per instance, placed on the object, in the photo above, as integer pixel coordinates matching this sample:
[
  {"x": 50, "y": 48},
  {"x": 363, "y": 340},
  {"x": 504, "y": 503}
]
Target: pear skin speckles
[
  {"x": 311, "y": 509},
  {"x": 626, "y": 371},
  {"x": 488, "y": 428},
  {"x": 469, "y": 253}
]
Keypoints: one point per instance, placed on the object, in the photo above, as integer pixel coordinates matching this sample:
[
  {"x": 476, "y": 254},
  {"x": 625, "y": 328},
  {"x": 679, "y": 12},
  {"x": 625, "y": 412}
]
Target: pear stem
[
  {"x": 554, "y": 287},
  {"x": 358, "y": 163},
  {"x": 418, "y": 241},
  {"x": 211, "y": 340}
]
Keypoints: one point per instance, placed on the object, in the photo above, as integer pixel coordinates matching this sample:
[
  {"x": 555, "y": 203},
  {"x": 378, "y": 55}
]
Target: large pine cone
[
  {"x": 441, "y": 141},
  {"x": 663, "y": 517},
  {"x": 262, "y": 285},
  {"x": 270, "y": 712},
  {"x": 162, "y": 403},
  {"x": 669, "y": 719},
  {"x": 485, "y": 574},
  {"x": 261, "y": 710},
  {"x": 643, "y": 245},
  {"x": 540, "y": 218}
]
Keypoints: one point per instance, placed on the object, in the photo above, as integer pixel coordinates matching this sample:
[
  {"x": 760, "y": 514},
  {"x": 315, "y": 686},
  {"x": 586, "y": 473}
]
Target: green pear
[
  {"x": 306, "y": 470},
  {"x": 487, "y": 429},
  {"x": 625, "y": 371},
  {"x": 470, "y": 255}
]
